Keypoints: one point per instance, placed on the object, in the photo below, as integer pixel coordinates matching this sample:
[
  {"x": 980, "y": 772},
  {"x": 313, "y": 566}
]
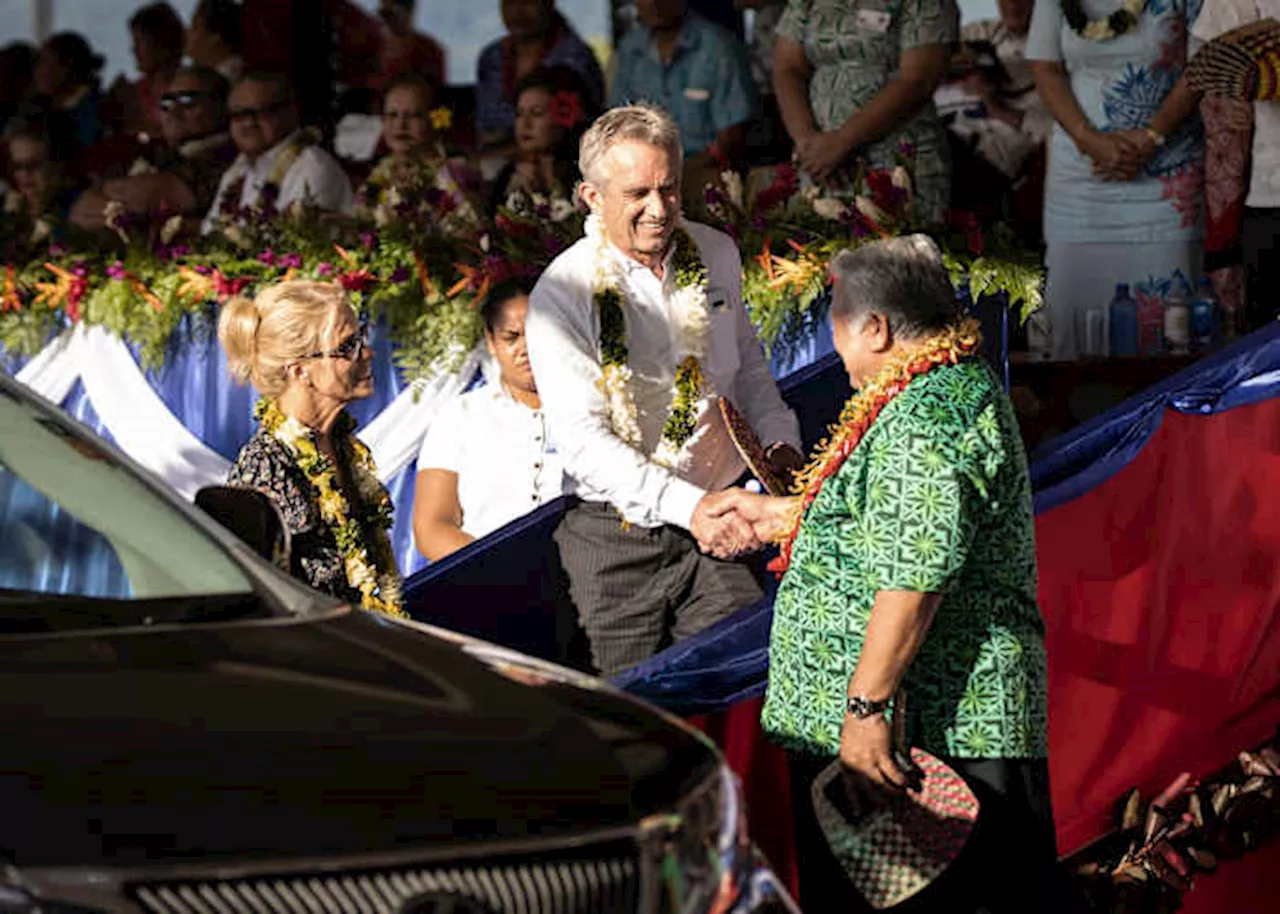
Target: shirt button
[{"x": 537, "y": 466}]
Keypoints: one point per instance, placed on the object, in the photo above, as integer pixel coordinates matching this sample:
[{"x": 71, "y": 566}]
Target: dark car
[{"x": 186, "y": 729}]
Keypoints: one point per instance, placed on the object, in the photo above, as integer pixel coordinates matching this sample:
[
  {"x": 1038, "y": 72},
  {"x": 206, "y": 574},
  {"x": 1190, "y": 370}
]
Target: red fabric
[{"x": 1159, "y": 589}]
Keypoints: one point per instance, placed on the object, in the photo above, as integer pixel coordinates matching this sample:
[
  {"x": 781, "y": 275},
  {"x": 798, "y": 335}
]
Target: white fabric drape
[{"x": 145, "y": 429}]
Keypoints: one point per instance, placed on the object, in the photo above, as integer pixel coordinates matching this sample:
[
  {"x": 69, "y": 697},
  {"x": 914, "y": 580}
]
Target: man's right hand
[{"x": 719, "y": 529}]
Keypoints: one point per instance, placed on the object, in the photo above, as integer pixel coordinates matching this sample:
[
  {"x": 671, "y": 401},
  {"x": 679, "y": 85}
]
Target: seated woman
[
  {"x": 551, "y": 116},
  {"x": 486, "y": 459},
  {"x": 300, "y": 345},
  {"x": 909, "y": 561},
  {"x": 43, "y": 192},
  {"x": 417, "y": 178}
]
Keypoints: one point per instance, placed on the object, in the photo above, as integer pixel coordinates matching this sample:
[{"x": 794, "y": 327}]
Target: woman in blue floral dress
[{"x": 1126, "y": 161}]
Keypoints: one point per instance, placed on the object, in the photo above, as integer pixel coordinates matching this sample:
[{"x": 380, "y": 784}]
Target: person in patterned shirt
[{"x": 915, "y": 568}]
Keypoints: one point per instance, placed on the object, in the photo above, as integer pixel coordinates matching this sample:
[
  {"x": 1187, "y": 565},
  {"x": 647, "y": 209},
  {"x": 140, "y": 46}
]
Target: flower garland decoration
[
  {"x": 361, "y": 535},
  {"x": 1113, "y": 26},
  {"x": 861, "y": 412},
  {"x": 689, "y": 302}
]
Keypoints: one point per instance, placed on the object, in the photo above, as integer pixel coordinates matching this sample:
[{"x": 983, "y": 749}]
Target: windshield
[{"x": 75, "y": 523}]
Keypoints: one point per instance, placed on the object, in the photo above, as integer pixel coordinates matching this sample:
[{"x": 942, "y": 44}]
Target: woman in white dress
[{"x": 487, "y": 459}]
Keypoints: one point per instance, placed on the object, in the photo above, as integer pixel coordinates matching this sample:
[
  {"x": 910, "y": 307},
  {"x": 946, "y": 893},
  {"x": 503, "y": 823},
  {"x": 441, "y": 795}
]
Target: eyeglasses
[
  {"x": 255, "y": 114},
  {"x": 183, "y": 100},
  {"x": 349, "y": 349},
  {"x": 19, "y": 166}
]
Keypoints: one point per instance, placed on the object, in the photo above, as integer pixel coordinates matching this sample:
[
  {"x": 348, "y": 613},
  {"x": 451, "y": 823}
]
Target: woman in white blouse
[{"x": 486, "y": 459}]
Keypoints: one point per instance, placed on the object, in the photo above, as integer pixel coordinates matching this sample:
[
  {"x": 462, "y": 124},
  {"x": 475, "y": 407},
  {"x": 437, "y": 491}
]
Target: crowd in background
[{"x": 1093, "y": 148}]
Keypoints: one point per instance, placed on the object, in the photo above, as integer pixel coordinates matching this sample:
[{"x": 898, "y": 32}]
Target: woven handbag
[
  {"x": 892, "y": 851},
  {"x": 1243, "y": 64}
]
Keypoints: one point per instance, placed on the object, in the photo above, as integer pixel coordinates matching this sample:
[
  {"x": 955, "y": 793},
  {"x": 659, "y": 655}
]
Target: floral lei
[
  {"x": 229, "y": 203},
  {"x": 1112, "y": 26},
  {"x": 862, "y": 410},
  {"x": 362, "y": 540},
  {"x": 690, "y": 305}
]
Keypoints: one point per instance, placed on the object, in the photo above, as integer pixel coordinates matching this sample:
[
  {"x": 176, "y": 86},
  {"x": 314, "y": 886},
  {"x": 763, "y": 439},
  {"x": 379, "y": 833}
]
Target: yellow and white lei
[
  {"x": 689, "y": 303},
  {"x": 362, "y": 540}
]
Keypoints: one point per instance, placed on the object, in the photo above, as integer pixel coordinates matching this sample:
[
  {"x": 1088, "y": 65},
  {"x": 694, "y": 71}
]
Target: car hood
[{"x": 297, "y": 738}]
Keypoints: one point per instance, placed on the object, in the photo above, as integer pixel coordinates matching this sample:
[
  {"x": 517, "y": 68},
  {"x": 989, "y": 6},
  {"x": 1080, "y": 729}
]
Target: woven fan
[
  {"x": 753, "y": 454},
  {"x": 1243, "y": 64}
]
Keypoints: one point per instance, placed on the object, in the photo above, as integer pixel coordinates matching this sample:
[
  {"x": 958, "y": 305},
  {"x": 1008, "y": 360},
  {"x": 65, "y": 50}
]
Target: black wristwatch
[{"x": 862, "y": 707}]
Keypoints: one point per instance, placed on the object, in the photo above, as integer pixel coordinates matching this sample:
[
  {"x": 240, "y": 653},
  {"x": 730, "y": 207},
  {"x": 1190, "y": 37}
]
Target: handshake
[{"x": 734, "y": 522}]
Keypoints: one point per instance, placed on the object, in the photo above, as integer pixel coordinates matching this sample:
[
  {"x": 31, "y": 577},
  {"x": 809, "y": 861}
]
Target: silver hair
[
  {"x": 647, "y": 124},
  {"x": 902, "y": 278}
]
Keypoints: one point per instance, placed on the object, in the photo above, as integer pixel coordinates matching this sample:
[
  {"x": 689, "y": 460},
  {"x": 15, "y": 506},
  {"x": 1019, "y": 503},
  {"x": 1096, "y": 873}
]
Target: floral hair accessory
[
  {"x": 441, "y": 118},
  {"x": 566, "y": 109}
]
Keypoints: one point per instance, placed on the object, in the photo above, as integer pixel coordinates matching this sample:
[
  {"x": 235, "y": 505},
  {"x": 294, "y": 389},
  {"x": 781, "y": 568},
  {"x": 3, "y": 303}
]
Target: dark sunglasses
[
  {"x": 183, "y": 100},
  {"x": 254, "y": 114},
  {"x": 349, "y": 349}
]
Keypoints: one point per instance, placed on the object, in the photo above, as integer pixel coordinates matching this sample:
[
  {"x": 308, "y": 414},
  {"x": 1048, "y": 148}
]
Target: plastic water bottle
[
  {"x": 1177, "y": 321},
  {"x": 1204, "y": 315},
  {"x": 1123, "y": 321}
]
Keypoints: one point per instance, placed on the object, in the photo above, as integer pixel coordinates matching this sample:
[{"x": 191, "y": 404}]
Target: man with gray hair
[{"x": 634, "y": 332}]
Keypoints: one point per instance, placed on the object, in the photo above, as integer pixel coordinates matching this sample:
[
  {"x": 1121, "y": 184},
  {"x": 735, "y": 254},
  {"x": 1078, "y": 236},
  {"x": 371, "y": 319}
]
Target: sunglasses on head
[
  {"x": 349, "y": 349},
  {"x": 172, "y": 100}
]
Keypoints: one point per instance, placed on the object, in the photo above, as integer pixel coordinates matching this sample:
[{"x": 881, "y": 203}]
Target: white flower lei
[{"x": 689, "y": 302}]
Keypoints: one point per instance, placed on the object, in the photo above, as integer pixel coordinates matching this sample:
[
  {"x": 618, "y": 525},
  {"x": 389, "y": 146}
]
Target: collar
[
  {"x": 268, "y": 159},
  {"x": 688, "y": 39}
]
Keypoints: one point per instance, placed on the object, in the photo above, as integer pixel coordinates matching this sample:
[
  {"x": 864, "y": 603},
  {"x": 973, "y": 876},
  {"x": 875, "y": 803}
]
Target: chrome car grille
[{"x": 599, "y": 885}]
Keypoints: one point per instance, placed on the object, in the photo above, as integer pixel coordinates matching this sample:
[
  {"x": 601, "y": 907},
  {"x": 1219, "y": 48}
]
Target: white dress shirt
[
  {"x": 505, "y": 461},
  {"x": 1216, "y": 18},
  {"x": 563, "y": 330},
  {"x": 314, "y": 176}
]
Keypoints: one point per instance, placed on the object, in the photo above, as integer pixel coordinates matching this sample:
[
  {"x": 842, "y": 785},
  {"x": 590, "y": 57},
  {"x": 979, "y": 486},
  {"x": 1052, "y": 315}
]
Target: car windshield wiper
[{"x": 26, "y": 612}]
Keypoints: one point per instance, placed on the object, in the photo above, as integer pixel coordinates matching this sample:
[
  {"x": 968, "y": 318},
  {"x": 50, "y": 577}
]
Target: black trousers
[
  {"x": 639, "y": 589},
  {"x": 1260, "y": 234},
  {"x": 1008, "y": 865}
]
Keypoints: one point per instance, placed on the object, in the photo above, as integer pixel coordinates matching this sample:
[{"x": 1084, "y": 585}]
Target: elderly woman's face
[
  {"x": 507, "y": 343},
  {"x": 406, "y": 121},
  {"x": 344, "y": 369}
]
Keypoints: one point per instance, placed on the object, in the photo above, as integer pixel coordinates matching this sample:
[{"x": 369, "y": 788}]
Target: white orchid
[
  {"x": 870, "y": 210},
  {"x": 901, "y": 178},
  {"x": 732, "y": 187},
  {"x": 561, "y": 209},
  {"x": 829, "y": 208}
]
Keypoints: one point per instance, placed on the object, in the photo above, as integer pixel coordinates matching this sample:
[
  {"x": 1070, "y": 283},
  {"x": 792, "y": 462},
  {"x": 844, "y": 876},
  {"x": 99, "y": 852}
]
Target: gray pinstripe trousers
[{"x": 638, "y": 589}]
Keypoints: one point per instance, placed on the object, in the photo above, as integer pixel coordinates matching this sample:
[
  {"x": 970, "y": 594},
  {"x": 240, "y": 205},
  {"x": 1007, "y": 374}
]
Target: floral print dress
[
  {"x": 1146, "y": 232},
  {"x": 266, "y": 465},
  {"x": 854, "y": 47}
]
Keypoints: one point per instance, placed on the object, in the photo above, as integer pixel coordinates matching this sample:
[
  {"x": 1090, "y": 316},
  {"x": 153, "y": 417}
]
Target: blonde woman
[{"x": 301, "y": 347}]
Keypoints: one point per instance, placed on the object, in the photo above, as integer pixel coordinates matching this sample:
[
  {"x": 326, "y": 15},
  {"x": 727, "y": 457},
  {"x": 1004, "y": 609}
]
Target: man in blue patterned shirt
[{"x": 696, "y": 70}]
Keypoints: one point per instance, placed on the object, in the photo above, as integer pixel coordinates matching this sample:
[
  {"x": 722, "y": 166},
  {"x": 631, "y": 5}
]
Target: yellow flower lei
[{"x": 363, "y": 543}]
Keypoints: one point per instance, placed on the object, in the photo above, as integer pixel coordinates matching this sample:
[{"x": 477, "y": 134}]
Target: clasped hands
[
  {"x": 735, "y": 522},
  {"x": 1120, "y": 155}
]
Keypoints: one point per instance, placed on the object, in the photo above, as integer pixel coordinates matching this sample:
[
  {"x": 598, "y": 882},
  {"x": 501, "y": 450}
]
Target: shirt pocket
[{"x": 697, "y": 118}]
